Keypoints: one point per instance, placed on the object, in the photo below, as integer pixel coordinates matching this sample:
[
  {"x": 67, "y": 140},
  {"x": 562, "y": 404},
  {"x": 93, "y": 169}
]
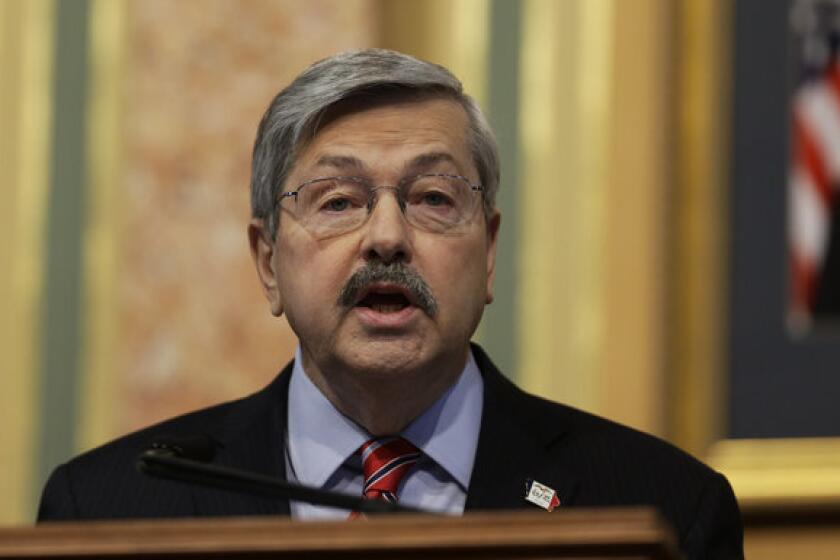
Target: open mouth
[
  {"x": 389, "y": 293},
  {"x": 384, "y": 302}
]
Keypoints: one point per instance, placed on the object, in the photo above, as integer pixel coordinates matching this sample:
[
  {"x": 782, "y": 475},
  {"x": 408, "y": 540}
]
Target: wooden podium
[{"x": 636, "y": 533}]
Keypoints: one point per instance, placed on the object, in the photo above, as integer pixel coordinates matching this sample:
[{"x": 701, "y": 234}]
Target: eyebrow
[
  {"x": 430, "y": 159},
  {"x": 419, "y": 163},
  {"x": 340, "y": 162}
]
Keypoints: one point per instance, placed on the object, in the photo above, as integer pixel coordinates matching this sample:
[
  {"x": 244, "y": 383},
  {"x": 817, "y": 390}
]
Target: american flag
[{"x": 814, "y": 181}]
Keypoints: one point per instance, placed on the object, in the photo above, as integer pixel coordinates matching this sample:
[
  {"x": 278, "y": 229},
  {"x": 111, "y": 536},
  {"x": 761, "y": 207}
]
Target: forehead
[{"x": 387, "y": 132}]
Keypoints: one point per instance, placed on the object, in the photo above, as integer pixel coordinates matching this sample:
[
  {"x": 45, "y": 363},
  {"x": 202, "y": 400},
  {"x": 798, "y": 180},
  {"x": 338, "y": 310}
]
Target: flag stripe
[
  {"x": 808, "y": 154},
  {"x": 809, "y": 220},
  {"x": 814, "y": 175},
  {"x": 818, "y": 108}
]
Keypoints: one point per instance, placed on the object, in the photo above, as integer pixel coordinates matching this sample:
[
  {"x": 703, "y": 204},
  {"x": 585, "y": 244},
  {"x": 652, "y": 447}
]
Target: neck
[{"x": 384, "y": 403}]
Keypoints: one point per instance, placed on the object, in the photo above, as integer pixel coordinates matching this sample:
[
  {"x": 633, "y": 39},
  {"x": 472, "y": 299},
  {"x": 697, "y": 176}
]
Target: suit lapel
[
  {"x": 251, "y": 438},
  {"x": 514, "y": 445}
]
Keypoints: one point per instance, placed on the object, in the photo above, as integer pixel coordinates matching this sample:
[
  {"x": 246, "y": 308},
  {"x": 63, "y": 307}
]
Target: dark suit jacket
[{"x": 588, "y": 460}]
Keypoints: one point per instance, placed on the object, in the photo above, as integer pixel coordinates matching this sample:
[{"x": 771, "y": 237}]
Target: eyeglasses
[{"x": 433, "y": 202}]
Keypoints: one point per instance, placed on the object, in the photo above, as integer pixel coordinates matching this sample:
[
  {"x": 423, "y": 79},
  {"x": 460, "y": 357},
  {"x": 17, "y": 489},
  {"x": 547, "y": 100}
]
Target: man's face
[{"x": 304, "y": 275}]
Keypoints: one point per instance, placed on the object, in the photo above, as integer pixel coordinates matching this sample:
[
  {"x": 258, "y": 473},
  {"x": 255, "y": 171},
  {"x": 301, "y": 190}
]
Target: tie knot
[{"x": 385, "y": 461}]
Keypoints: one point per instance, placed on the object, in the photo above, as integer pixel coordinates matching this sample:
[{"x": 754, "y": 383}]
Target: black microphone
[{"x": 186, "y": 459}]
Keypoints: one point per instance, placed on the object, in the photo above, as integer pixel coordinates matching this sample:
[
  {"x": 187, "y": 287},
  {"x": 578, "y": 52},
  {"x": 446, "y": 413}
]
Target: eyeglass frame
[{"x": 372, "y": 189}]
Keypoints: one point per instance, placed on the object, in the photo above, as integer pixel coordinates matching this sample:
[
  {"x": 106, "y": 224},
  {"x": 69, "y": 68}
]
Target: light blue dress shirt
[{"x": 321, "y": 443}]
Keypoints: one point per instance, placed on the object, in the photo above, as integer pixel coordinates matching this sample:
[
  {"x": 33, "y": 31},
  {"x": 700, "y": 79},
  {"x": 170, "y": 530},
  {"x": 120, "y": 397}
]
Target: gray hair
[{"x": 293, "y": 116}]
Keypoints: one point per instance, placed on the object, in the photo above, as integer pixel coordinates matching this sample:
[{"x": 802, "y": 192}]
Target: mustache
[{"x": 393, "y": 273}]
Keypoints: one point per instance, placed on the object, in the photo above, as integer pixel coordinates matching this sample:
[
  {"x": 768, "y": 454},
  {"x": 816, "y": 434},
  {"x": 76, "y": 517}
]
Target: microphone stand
[{"x": 164, "y": 463}]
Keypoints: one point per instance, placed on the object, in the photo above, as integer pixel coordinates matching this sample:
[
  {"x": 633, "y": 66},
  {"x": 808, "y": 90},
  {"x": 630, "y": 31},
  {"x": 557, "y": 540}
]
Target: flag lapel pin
[{"x": 541, "y": 495}]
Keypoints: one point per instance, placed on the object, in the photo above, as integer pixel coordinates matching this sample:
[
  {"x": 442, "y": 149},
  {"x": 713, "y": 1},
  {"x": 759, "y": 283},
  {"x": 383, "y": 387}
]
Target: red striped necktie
[{"x": 385, "y": 461}]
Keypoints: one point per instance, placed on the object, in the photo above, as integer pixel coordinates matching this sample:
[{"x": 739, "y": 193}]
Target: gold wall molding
[
  {"x": 99, "y": 379},
  {"x": 595, "y": 147},
  {"x": 564, "y": 112},
  {"x": 814, "y": 542},
  {"x": 26, "y": 55},
  {"x": 637, "y": 224},
  {"x": 780, "y": 473},
  {"x": 701, "y": 205}
]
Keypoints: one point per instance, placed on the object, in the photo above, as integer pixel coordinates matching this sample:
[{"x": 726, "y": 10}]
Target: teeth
[{"x": 387, "y": 307}]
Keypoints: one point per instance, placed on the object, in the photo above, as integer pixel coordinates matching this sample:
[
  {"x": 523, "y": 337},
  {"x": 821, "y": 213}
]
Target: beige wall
[{"x": 194, "y": 328}]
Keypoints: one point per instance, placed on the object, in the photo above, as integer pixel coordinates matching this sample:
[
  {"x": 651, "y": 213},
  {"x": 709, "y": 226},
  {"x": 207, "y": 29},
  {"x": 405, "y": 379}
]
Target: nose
[{"x": 387, "y": 234}]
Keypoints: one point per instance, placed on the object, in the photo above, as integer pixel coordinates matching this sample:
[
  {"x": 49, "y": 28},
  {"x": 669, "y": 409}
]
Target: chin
[{"x": 387, "y": 356}]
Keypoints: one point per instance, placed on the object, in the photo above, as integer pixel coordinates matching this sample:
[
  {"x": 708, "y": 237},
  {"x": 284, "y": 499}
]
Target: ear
[
  {"x": 263, "y": 252},
  {"x": 493, "y": 224}
]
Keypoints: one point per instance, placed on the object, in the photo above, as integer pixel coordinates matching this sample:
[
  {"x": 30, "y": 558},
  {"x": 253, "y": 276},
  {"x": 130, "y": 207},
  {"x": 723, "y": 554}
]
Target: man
[{"x": 374, "y": 230}]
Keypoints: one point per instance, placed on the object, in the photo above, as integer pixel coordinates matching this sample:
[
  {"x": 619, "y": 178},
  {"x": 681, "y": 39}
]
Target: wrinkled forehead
[{"x": 367, "y": 100}]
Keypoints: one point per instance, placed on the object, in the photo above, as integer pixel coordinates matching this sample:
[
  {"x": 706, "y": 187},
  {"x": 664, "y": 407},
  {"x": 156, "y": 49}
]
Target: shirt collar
[
  {"x": 321, "y": 438},
  {"x": 448, "y": 430}
]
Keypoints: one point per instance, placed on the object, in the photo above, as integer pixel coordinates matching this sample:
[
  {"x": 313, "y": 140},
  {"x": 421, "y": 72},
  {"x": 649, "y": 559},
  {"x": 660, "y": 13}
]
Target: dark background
[{"x": 780, "y": 384}]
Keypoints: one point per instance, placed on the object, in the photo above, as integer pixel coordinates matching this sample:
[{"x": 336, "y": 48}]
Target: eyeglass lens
[{"x": 336, "y": 205}]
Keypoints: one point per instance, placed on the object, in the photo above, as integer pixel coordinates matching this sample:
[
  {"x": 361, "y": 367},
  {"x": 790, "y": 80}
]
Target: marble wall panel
[{"x": 194, "y": 326}]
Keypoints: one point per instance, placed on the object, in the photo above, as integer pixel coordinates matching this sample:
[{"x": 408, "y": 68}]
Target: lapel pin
[{"x": 541, "y": 495}]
